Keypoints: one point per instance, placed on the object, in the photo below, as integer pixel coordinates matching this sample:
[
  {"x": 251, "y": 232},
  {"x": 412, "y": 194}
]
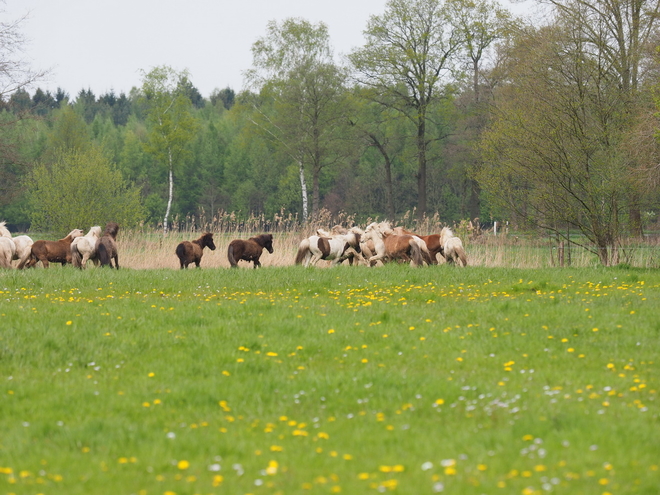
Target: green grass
[{"x": 351, "y": 380}]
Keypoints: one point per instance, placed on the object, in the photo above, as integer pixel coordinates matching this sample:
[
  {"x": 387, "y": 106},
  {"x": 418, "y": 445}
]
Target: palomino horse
[
  {"x": 107, "y": 246},
  {"x": 452, "y": 247},
  {"x": 334, "y": 248},
  {"x": 249, "y": 250},
  {"x": 23, "y": 244},
  {"x": 52, "y": 251},
  {"x": 390, "y": 246},
  {"x": 84, "y": 248},
  {"x": 7, "y": 247},
  {"x": 191, "y": 251}
]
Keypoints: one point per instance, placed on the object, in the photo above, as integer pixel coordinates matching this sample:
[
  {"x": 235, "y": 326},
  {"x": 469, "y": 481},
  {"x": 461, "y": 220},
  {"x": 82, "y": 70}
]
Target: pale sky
[{"x": 102, "y": 45}]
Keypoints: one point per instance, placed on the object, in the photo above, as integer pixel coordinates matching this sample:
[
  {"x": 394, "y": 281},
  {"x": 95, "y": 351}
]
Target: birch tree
[
  {"x": 293, "y": 68},
  {"x": 172, "y": 124}
]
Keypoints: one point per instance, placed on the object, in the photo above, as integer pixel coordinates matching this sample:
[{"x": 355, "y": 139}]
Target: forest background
[{"x": 452, "y": 109}]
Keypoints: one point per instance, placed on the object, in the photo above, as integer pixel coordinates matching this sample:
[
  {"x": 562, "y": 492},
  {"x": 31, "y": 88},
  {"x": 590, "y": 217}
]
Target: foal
[{"x": 191, "y": 251}]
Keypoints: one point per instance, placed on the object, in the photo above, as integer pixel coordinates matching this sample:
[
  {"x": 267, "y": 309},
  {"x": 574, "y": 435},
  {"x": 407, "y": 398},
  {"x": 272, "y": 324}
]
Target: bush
[{"x": 81, "y": 188}]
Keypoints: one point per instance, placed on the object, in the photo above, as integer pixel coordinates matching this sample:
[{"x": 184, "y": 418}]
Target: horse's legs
[
  {"x": 116, "y": 261},
  {"x": 257, "y": 264}
]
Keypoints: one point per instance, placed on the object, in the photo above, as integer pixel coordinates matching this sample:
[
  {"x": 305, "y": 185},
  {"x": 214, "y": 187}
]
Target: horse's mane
[
  {"x": 446, "y": 232},
  {"x": 95, "y": 231},
  {"x": 111, "y": 229},
  {"x": 4, "y": 232}
]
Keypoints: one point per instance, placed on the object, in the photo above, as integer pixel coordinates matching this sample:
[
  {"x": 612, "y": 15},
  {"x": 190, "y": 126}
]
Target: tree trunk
[
  {"x": 303, "y": 189},
  {"x": 169, "y": 199},
  {"x": 421, "y": 166},
  {"x": 388, "y": 176}
]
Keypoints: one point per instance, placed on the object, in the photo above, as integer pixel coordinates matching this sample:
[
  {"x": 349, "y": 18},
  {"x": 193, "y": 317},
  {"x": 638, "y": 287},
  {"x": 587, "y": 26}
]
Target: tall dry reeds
[{"x": 146, "y": 247}]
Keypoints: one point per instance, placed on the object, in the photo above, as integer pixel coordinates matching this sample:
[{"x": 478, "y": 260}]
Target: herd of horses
[{"x": 378, "y": 243}]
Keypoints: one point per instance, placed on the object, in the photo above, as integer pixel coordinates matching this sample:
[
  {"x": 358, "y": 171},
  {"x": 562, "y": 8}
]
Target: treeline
[{"x": 230, "y": 164}]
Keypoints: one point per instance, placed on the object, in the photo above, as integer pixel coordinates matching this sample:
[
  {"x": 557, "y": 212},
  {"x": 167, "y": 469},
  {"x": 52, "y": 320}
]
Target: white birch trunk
[
  {"x": 169, "y": 199},
  {"x": 303, "y": 188}
]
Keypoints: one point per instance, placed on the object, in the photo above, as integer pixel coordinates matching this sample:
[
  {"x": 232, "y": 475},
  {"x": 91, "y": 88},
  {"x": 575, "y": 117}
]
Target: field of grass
[{"x": 350, "y": 380}]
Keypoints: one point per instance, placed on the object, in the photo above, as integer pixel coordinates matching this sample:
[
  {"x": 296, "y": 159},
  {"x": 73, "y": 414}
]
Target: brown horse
[
  {"x": 249, "y": 250},
  {"x": 433, "y": 243},
  {"x": 390, "y": 246},
  {"x": 51, "y": 251},
  {"x": 191, "y": 251},
  {"x": 107, "y": 246}
]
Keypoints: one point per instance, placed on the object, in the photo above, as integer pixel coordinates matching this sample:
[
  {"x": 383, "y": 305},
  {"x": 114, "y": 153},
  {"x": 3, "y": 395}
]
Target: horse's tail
[
  {"x": 24, "y": 258},
  {"x": 230, "y": 256},
  {"x": 181, "y": 253},
  {"x": 461, "y": 254},
  {"x": 29, "y": 260},
  {"x": 103, "y": 255},
  {"x": 416, "y": 252},
  {"x": 5, "y": 258},
  {"x": 303, "y": 252},
  {"x": 426, "y": 254},
  {"x": 76, "y": 257}
]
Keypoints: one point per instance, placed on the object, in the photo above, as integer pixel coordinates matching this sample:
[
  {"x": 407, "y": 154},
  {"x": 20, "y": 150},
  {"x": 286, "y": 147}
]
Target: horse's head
[
  {"x": 207, "y": 241},
  {"x": 111, "y": 229},
  {"x": 75, "y": 233},
  {"x": 445, "y": 234},
  {"x": 4, "y": 232},
  {"x": 268, "y": 242}
]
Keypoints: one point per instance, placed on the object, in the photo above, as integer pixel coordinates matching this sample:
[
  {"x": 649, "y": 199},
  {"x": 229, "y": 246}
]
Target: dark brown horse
[
  {"x": 51, "y": 251},
  {"x": 107, "y": 246},
  {"x": 191, "y": 251},
  {"x": 249, "y": 250}
]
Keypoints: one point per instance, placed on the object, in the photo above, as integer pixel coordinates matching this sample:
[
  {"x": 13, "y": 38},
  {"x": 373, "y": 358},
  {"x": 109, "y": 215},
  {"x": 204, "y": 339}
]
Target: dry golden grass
[{"x": 148, "y": 248}]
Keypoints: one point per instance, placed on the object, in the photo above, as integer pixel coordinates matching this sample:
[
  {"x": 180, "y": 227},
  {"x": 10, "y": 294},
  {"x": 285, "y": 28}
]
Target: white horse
[
  {"x": 84, "y": 248},
  {"x": 452, "y": 247},
  {"x": 23, "y": 244},
  {"x": 335, "y": 248},
  {"x": 7, "y": 247}
]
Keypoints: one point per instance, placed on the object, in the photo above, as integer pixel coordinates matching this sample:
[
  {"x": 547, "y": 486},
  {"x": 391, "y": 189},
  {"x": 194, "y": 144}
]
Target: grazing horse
[
  {"x": 389, "y": 246},
  {"x": 335, "y": 248},
  {"x": 85, "y": 248},
  {"x": 249, "y": 250},
  {"x": 191, "y": 251},
  {"x": 107, "y": 246},
  {"x": 432, "y": 242},
  {"x": 452, "y": 247},
  {"x": 55, "y": 251},
  {"x": 7, "y": 247}
]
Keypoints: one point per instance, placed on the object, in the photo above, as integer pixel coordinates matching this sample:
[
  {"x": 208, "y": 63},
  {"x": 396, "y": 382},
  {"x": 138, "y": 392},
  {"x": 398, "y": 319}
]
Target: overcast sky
[{"x": 102, "y": 45}]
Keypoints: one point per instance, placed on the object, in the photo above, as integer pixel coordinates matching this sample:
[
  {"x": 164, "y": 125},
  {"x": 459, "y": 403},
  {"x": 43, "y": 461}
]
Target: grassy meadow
[{"x": 350, "y": 380}]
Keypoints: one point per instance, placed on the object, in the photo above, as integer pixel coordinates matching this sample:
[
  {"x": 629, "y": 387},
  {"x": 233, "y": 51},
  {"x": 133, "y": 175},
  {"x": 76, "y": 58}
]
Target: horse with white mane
[
  {"x": 335, "y": 248},
  {"x": 7, "y": 247},
  {"x": 390, "y": 246},
  {"x": 452, "y": 247},
  {"x": 85, "y": 248},
  {"x": 23, "y": 244}
]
